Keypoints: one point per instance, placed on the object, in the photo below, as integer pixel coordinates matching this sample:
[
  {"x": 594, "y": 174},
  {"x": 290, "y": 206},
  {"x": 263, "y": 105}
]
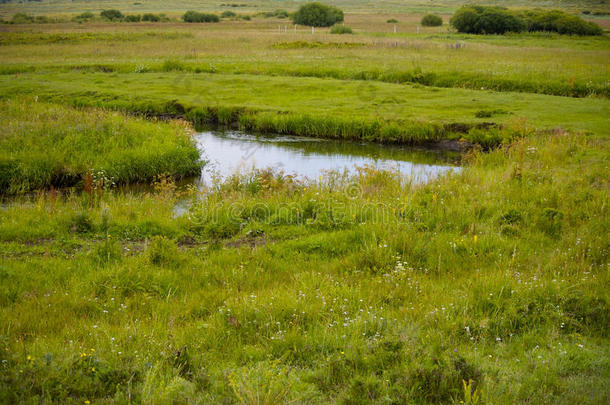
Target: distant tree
[
  {"x": 111, "y": 15},
  {"x": 392, "y": 21},
  {"x": 317, "y": 15},
  {"x": 431, "y": 20},
  {"x": 227, "y": 14}
]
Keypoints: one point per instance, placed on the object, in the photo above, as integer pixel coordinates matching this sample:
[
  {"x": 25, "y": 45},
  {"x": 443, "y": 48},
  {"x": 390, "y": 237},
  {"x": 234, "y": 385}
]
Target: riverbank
[{"x": 48, "y": 145}]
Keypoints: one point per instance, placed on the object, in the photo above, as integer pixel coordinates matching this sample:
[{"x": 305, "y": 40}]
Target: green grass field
[{"x": 488, "y": 285}]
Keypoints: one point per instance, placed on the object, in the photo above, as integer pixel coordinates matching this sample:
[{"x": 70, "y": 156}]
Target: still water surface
[{"x": 232, "y": 152}]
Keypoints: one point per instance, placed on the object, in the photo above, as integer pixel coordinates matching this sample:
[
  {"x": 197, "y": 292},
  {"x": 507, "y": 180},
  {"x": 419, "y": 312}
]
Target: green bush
[
  {"x": 392, "y": 21},
  {"x": 196, "y": 17},
  {"x": 317, "y": 15},
  {"x": 497, "y": 20},
  {"x": 112, "y": 15},
  {"x": 133, "y": 18},
  {"x": 227, "y": 14},
  {"x": 151, "y": 17},
  {"x": 431, "y": 20},
  {"x": 341, "y": 29}
]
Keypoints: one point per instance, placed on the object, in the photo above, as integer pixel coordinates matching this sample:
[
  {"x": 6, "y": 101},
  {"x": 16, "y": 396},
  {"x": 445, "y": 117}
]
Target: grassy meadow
[{"x": 488, "y": 285}]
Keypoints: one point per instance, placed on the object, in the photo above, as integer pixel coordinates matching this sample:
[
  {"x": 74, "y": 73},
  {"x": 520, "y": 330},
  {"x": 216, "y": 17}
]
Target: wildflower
[{"x": 29, "y": 358}]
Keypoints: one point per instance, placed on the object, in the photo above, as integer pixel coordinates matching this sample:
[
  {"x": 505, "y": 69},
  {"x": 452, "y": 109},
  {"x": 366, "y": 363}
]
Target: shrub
[
  {"x": 341, "y": 29},
  {"x": 112, "y": 15},
  {"x": 227, "y": 14},
  {"x": 317, "y": 15},
  {"x": 431, "y": 20},
  {"x": 151, "y": 17},
  {"x": 392, "y": 21},
  {"x": 196, "y": 17},
  {"x": 133, "y": 18},
  {"x": 486, "y": 20}
]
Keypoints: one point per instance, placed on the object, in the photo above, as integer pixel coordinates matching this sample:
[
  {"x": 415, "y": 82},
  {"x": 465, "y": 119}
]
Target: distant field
[
  {"x": 548, "y": 64},
  {"x": 249, "y": 6}
]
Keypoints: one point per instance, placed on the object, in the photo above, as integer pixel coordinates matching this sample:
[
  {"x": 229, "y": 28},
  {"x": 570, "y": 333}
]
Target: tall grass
[{"x": 47, "y": 145}]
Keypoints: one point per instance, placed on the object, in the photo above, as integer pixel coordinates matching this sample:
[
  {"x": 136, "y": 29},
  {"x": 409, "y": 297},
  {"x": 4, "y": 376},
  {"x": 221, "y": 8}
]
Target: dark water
[{"x": 229, "y": 152}]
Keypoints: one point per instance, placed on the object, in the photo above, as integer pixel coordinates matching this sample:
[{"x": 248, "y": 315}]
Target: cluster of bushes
[
  {"x": 431, "y": 20},
  {"x": 197, "y": 17},
  {"x": 559, "y": 21},
  {"x": 317, "y": 15},
  {"x": 498, "y": 20},
  {"x": 116, "y": 15}
]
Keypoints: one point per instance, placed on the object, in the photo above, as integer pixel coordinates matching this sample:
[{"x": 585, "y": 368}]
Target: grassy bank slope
[
  {"x": 329, "y": 108},
  {"x": 44, "y": 144}
]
